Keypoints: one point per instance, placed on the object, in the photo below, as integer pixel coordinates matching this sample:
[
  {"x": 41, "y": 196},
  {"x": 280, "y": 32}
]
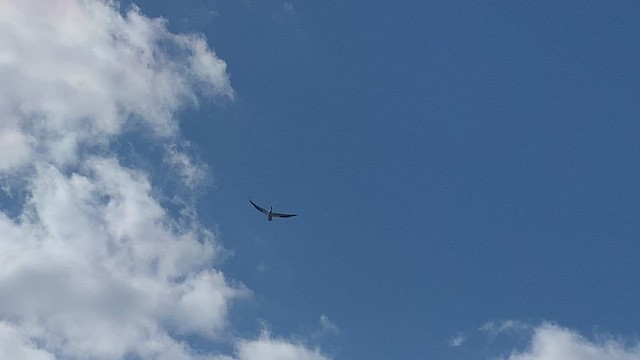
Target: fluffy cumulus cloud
[
  {"x": 552, "y": 342},
  {"x": 76, "y": 73},
  {"x": 92, "y": 266}
]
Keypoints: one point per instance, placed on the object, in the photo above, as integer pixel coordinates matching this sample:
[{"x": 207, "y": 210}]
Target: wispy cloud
[
  {"x": 457, "y": 340},
  {"x": 192, "y": 172},
  {"x": 328, "y": 327},
  {"x": 93, "y": 265},
  {"x": 494, "y": 329}
]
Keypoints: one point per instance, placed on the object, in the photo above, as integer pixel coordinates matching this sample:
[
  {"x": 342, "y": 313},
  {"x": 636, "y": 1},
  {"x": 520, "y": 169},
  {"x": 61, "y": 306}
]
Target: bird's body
[{"x": 270, "y": 213}]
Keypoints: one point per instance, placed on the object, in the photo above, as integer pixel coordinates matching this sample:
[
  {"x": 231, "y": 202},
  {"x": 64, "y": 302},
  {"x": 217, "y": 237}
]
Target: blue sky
[
  {"x": 465, "y": 177},
  {"x": 452, "y": 164}
]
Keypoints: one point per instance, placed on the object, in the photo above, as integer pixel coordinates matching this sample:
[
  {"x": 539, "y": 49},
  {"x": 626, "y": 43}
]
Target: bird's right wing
[
  {"x": 261, "y": 209},
  {"x": 283, "y": 215}
]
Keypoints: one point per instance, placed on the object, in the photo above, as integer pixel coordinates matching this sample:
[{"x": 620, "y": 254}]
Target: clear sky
[{"x": 466, "y": 177}]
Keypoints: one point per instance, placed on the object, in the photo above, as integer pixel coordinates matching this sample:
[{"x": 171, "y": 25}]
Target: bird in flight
[{"x": 270, "y": 214}]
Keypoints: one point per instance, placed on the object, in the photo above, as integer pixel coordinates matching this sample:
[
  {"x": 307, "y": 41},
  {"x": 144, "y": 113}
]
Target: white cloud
[
  {"x": 193, "y": 173},
  {"x": 15, "y": 346},
  {"x": 93, "y": 266},
  {"x": 268, "y": 348},
  {"x": 77, "y": 73},
  {"x": 552, "y": 342},
  {"x": 457, "y": 340},
  {"x": 328, "y": 327},
  {"x": 96, "y": 268},
  {"x": 494, "y": 329},
  {"x": 15, "y": 148}
]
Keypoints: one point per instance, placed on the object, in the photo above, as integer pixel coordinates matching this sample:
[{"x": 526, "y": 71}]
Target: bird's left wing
[{"x": 261, "y": 209}]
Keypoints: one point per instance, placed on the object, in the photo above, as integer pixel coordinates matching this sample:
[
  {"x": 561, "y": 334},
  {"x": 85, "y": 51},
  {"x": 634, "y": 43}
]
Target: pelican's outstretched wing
[
  {"x": 261, "y": 209},
  {"x": 275, "y": 214}
]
